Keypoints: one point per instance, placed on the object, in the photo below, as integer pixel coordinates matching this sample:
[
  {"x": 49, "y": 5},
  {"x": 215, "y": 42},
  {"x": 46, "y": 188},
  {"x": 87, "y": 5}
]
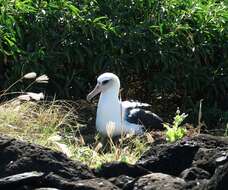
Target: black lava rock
[{"x": 197, "y": 163}]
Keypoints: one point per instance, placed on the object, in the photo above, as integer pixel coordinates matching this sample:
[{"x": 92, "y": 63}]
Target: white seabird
[{"x": 127, "y": 116}]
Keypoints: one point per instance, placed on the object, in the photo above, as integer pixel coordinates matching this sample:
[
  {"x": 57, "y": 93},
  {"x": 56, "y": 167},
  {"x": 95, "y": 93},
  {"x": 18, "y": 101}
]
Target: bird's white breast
[
  {"x": 108, "y": 111},
  {"x": 111, "y": 111}
]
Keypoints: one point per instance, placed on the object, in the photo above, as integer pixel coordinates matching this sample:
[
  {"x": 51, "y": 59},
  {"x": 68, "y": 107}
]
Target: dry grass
[
  {"x": 55, "y": 125},
  {"x": 35, "y": 122}
]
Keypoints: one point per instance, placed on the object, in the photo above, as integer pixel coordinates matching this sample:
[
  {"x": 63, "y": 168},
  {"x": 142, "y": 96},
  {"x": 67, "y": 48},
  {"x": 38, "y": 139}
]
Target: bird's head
[{"x": 105, "y": 82}]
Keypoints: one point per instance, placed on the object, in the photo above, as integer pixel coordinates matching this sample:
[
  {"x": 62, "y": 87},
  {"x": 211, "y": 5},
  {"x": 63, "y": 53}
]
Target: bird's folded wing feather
[{"x": 135, "y": 113}]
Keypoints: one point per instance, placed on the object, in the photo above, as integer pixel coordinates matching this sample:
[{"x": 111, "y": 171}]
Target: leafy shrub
[{"x": 171, "y": 46}]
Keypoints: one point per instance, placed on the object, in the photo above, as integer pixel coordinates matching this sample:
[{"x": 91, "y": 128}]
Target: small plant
[{"x": 176, "y": 132}]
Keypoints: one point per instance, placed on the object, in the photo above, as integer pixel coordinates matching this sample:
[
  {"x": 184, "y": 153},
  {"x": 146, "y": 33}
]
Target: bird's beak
[{"x": 93, "y": 93}]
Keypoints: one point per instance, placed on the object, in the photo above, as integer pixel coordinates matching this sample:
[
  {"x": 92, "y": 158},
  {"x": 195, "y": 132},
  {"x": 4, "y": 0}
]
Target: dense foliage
[{"x": 169, "y": 47}]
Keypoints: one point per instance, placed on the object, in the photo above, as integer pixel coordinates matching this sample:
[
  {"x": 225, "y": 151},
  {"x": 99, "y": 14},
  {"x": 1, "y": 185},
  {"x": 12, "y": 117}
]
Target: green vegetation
[
  {"x": 176, "y": 132},
  {"x": 179, "y": 46}
]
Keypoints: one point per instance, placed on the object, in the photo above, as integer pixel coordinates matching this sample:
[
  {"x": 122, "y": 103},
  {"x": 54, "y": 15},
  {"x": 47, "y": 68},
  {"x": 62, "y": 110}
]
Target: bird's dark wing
[{"x": 143, "y": 117}]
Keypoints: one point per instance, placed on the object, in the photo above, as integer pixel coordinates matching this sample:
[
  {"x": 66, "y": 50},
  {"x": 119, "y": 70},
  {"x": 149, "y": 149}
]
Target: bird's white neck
[
  {"x": 109, "y": 110},
  {"x": 109, "y": 100},
  {"x": 110, "y": 95}
]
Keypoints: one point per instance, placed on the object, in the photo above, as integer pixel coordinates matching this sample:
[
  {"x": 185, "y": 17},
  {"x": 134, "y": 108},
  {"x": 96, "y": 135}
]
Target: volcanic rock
[{"x": 196, "y": 163}]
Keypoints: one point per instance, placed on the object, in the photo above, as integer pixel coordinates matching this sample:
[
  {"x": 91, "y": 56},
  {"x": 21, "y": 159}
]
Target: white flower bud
[
  {"x": 24, "y": 97},
  {"x": 42, "y": 79},
  {"x": 36, "y": 96},
  {"x": 31, "y": 75}
]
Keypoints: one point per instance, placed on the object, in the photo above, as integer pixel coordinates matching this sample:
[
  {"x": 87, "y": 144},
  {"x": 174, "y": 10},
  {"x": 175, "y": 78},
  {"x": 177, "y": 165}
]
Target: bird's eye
[{"x": 105, "y": 81}]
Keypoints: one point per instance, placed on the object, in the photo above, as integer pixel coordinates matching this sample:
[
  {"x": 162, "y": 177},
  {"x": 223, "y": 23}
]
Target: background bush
[{"x": 173, "y": 51}]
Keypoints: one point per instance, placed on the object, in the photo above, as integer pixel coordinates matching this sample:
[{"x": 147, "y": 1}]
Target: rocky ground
[{"x": 199, "y": 162}]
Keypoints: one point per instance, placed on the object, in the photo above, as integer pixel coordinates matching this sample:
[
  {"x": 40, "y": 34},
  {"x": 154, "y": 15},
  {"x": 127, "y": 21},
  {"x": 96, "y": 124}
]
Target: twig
[{"x": 200, "y": 113}]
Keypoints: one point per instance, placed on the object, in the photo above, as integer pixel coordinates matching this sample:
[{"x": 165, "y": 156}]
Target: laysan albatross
[{"x": 127, "y": 116}]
